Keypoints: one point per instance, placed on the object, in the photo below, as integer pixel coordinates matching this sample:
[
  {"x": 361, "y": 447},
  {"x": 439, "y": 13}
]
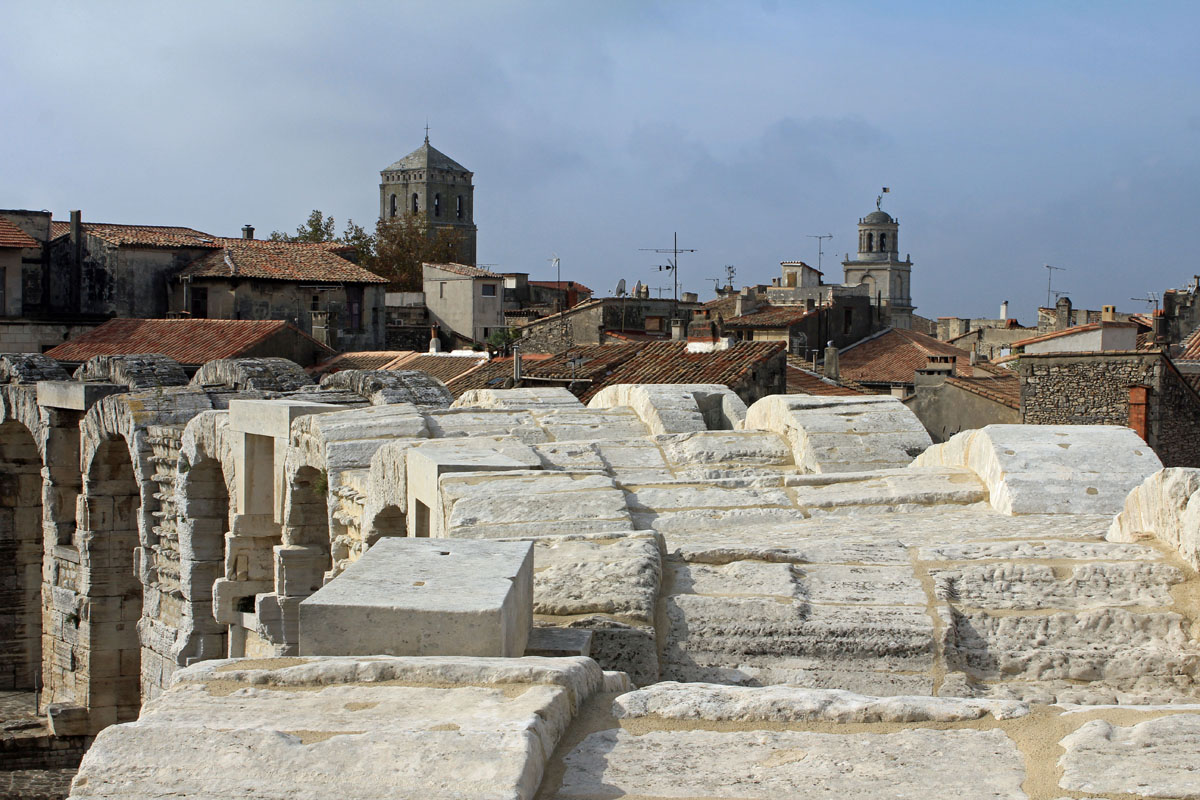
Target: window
[
  {"x": 870, "y": 236},
  {"x": 654, "y": 323},
  {"x": 791, "y": 279},
  {"x": 316, "y": 302},
  {"x": 393, "y": 207},
  {"x": 848, "y": 321},
  {"x": 416, "y": 209},
  {"x": 459, "y": 210},
  {"x": 354, "y": 301},
  {"x": 883, "y": 242},
  {"x": 488, "y": 289},
  {"x": 437, "y": 205},
  {"x": 442, "y": 289},
  {"x": 199, "y": 307}
]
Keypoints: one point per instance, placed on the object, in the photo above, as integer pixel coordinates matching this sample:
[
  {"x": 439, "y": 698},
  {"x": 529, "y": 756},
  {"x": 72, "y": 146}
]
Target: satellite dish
[{"x": 621, "y": 288}]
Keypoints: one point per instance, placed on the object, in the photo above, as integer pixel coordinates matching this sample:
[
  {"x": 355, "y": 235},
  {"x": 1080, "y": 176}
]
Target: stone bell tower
[
  {"x": 430, "y": 183},
  {"x": 879, "y": 267}
]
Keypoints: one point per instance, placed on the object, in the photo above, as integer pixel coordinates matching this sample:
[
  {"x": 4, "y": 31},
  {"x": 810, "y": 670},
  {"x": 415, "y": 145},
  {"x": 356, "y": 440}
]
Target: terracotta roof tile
[
  {"x": 140, "y": 235},
  {"x": 563, "y": 285},
  {"x": 283, "y": 261},
  {"x": 12, "y": 236},
  {"x": 188, "y": 341},
  {"x": 1004, "y": 389},
  {"x": 1190, "y": 346},
  {"x": 894, "y": 355},
  {"x": 767, "y": 316},
  {"x": 802, "y": 380},
  {"x": 670, "y": 362},
  {"x": 444, "y": 367},
  {"x": 362, "y": 359},
  {"x": 464, "y": 269}
]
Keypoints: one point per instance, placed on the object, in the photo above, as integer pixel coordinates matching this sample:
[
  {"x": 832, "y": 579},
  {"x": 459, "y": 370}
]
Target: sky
[{"x": 1012, "y": 135}]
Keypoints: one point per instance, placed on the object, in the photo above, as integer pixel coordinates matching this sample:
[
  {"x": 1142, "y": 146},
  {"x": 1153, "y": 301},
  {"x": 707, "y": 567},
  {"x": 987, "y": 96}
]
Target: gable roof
[
  {"x": 444, "y": 366},
  {"x": 894, "y": 355},
  {"x": 562, "y": 286},
  {"x": 1074, "y": 329},
  {"x": 12, "y": 236},
  {"x": 426, "y": 157},
  {"x": 464, "y": 269},
  {"x": 139, "y": 235},
  {"x": 802, "y": 380},
  {"x": 768, "y": 316},
  {"x": 670, "y": 362},
  {"x": 283, "y": 261},
  {"x": 188, "y": 341},
  {"x": 1001, "y": 388},
  {"x": 1190, "y": 346}
]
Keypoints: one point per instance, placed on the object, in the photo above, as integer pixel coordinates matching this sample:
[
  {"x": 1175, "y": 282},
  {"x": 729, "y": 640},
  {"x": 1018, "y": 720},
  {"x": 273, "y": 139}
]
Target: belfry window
[
  {"x": 870, "y": 239},
  {"x": 459, "y": 210},
  {"x": 393, "y": 209},
  {"x": 883, "y": 242},
  {"x": 437, "y": 205},
  {"x": 416, "y": 208}
]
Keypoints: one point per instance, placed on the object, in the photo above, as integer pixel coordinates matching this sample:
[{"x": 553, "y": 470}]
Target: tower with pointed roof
[
  {"x": 430, "y": 183},
  {"x": 878, "y": 266}
]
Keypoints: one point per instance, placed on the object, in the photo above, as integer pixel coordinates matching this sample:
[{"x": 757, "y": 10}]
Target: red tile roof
[
  {"x": 1190, "y": 346},
  {"x": 362, "y": 359},
  {"x": 12, "y": 236},
  {"x": 894, "y": 355},
  {"x": 139, "y": 235},
  {"x": 188, "y": 341},
  {"x": 1003, "y": 389},
  {"x": 562, "y": 285},
  {"x": 282, "y": 261},
  {"x": 670, "y": 362},
  {"x": 1091, "y": 326},
  {"x": 464, "y": 269},
  {"x": 802, "y": 380},
  {"x": 768, "y": 316},
  {"x": 444, "y": 367}
]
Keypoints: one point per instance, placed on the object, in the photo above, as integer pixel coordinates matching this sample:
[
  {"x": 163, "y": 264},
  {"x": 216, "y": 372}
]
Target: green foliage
[{"x": 502, "y": 340}]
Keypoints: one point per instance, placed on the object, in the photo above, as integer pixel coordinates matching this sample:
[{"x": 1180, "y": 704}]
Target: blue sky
[{"x": 1011, "y": 134}]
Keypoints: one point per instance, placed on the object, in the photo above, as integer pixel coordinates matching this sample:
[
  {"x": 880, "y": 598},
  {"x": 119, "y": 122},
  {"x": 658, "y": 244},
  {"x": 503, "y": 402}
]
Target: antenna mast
[
  {"x": 672, "y": 264},
  {"x": 820, "y": 245},
  {"x": 1049, "y": 281}
]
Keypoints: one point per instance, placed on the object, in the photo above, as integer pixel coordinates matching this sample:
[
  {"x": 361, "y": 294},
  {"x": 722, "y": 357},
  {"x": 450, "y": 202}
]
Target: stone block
[
  {"x": 425, "y": 465},
  {"x": 74, "y": 395},
  {"x": 412, "y": 597},
  {"x": 273, "y": 417},
  {"x": 227, "y": 593},
  {"x": 299, "y": 571},
  {"x": 67, "y": 720},
  {"x": 558, "y": 642}
]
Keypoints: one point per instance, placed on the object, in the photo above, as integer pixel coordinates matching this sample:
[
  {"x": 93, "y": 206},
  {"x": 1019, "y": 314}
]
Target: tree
[
  {"x": 319, "y": 228},
  {"x": 403, "y": 243}
]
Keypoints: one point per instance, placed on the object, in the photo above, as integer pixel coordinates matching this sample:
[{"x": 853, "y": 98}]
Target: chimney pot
[{"x": 247, "y": 231}]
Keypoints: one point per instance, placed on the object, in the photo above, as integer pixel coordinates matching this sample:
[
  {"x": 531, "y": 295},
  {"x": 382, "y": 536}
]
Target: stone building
[
  {"x": 428, "y": 183},
  {"x": 465, "y": 302},
  {"x": 878, "y": 267},
  {"x": 603, "y": 320}
]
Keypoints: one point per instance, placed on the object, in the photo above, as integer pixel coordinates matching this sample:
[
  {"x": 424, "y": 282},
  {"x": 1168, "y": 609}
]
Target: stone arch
[
  {"x": 142, "y": 371},
  {"x": 21, "y": 547},
  {"x": 387, "y": 387},
  {"x": 110, "y": 550},
  {"x": 389, "y": 522},
  {"x": 30, "y": 368},
  {"x": 263, "y": 374}
]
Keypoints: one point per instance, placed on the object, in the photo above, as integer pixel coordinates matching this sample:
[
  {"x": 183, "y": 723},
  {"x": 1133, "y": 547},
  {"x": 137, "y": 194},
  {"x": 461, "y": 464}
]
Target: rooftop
[
  {"x": 285, "y": 261},
  {"x": 426, "y": 157},
  {"x": 768, "y": 316},
  {"x": 803, "y": 380},
  {"x": 139, "y": 235},
  {"x": 12, "y": 236},
  {"x": 895, "y": 355},
  {"x": 1003, "y": 388},
  {"x": 464, "y": 269},
  {"x": 188, "y": 341},
  {"x": 1091, "y": 326}
]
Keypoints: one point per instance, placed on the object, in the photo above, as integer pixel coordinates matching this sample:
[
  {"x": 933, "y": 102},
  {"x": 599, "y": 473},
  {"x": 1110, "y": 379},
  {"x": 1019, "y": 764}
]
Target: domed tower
[
  {"x": 430, "y": 183},
  {"x": 879, "y": 267}
]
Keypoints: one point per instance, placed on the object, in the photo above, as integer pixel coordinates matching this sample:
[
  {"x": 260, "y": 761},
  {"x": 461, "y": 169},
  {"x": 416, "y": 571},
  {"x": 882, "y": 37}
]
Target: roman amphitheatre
[{"x": 248, "y": 584}]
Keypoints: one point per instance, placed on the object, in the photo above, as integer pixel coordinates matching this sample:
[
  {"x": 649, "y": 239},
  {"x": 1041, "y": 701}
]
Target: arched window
[
  {"x": 459, "y": 209},
  {"x": 416, "y": 208},
  {"x": 883, "y": 242},
  {"x": 393, "y": 208},
  {"x": 870, "y": 242},
  {"x": 437, "y": 205}
]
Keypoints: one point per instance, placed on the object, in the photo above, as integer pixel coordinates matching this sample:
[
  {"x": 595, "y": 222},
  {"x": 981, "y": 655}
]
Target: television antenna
[
  {"x": 672, "y": 264},
  {"x": 820, "y": 237},
  {"x": 1151, "y": 298},
  {"x": 1049, "y": 281}
]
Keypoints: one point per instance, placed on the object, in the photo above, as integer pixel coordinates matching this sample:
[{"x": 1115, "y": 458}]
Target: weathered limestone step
[
  {"x": 1155, "y": 758},
  {"x": 768, "y": 765}
]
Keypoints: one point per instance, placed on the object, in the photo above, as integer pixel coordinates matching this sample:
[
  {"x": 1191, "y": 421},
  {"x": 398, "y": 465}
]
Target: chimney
[
  {"x": 76, "y": 260},
  {"x": 831, "y": 362},
  {"x": 247, "y": 231},
  {"x": 1108, "y": 313},
  {"x": 435, "y": 344},
  {"x": 746, "y": 302},
  {"x": 1062, "y": 314},
  {"x": 1160, "y": 328},
  {"x": 678, "y": 329},
  {"x": 1004, "y": 310},
  {"x": 935, "y": 371}
]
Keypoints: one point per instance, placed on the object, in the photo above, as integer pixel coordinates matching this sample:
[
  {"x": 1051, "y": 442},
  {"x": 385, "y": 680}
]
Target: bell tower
[
  {"x": 430, "y": 183},
  {"x": 878, "y": 266}
]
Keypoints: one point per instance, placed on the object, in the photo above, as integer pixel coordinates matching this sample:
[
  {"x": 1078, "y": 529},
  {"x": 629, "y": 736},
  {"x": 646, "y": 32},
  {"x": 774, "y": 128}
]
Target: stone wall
[{"x": 1093, "y": 389}]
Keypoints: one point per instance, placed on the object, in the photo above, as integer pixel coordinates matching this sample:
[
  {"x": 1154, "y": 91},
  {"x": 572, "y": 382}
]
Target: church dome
[{"x": 877, "y": 218}]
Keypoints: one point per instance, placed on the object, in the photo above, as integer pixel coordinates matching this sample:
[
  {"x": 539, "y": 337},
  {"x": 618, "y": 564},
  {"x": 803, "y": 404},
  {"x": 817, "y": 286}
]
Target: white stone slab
[
  {"x": 1166, "y": 505},
  {"x": 769, "y": 765},
  {"x": 1156, "y": 758},
  {"x": 425, "y": 597}
]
